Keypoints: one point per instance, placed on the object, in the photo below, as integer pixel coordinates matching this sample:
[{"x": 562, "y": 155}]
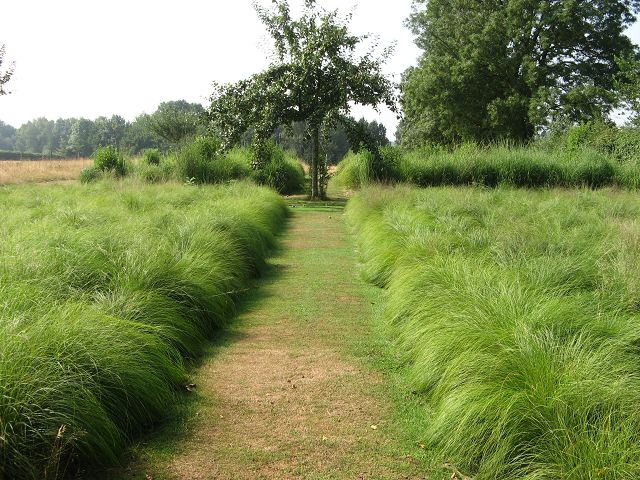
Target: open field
[
  {"x": 34, "y": 171},
  {"x": 516, "y": 316},
  {"x": 107, "y": 293}
]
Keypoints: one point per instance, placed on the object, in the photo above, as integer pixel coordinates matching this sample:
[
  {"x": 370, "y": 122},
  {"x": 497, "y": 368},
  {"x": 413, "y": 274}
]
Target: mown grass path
[{"x": 291, "y": 393}]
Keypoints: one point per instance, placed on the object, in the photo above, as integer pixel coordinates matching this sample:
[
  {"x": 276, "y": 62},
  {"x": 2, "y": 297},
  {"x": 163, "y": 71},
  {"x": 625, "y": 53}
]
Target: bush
[
  {"x": 90, "y": 174},
  {"x": 285, "y": 176},
  {"x": 275, "y": 168},
  {"x": 526, "y": 167},
  {"x": 203, "y": 161},
  {"x": 362, "y": 168},
  {"x": 151, "y": 156},
  {"x": 618, "y": 143},
  {"x": 155, "y": 173},
  {"x": 109, "y": 159}
]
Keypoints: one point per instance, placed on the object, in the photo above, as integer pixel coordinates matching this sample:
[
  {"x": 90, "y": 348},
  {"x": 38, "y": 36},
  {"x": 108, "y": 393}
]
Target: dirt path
[{"x": 288, "y": 398}]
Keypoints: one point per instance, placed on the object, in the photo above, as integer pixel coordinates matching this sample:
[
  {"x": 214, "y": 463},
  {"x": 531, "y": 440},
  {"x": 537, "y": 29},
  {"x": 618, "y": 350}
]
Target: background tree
[
  {"x": 81, "y": 137},
  {"x": 315, "y": 76},
  {"x": 5, "y": 75},
  {"x": 7, "y": 136},
  {"x": 138, "y": 137},
  {"x": 109, "y": 131},
  {"x": 502, "y": 69},
  {"x": 175, "y": 120},
  {"x": 35, "y": 136},
  {"x": 628, "y": 83},
  {"x": 335, "y": 142}
]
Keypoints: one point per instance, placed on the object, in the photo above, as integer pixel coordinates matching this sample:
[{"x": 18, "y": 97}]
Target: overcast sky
[{"x": 78, "y": 58}]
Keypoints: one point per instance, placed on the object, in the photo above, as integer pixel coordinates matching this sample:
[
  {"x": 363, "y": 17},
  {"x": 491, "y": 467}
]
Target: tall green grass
[
  {"x": 517, "y": 315},
  {"x": 202, "y": 161},
  {"x": 469, "y": 164},
  {"x": 106, "y": 292}
]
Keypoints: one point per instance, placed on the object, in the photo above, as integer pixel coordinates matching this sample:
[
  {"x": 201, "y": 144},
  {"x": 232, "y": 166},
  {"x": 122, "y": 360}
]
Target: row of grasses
[
  {"x": 106, "y": 293},
  {"x": 201, "y": 161},
  {"x": 516, "y": 314},
  {"x": 491, "y": 166}
]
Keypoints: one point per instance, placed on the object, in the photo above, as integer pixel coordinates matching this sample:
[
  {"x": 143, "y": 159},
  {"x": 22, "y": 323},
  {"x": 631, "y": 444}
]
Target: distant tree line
[
  {"x": 70, "y": 137},
  {"x": 167, "y": 126}
]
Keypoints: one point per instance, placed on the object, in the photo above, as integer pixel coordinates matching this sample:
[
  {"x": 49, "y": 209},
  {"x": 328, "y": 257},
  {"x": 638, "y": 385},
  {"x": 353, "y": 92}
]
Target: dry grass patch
[{"x": 34, "y": 171}]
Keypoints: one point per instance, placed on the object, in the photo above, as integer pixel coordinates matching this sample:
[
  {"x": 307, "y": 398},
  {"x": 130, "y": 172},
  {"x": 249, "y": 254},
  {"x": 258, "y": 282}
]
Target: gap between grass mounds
[{"x": 302, "y": 389}]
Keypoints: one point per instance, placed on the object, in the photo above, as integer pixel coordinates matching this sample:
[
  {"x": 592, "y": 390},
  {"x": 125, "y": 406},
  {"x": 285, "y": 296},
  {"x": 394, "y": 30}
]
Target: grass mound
[
  {"x": 529, "y": 167},
  {"x": 517, "y": 317},
  {"x": 105, "y": 291}
]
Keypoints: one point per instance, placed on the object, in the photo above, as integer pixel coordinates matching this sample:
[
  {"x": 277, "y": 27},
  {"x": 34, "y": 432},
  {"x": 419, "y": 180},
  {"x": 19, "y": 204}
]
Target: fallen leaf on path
[{"x": 374, "y": 427}]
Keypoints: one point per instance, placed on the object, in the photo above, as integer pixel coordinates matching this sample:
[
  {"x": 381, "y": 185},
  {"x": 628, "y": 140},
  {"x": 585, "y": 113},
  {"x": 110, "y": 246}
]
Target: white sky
[{"x": 79, "y": 58}]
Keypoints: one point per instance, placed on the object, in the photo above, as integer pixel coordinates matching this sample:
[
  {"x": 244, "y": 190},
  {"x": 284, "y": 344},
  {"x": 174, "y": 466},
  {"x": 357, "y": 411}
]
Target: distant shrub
[
  {"x": 360, "y": 169},
  {"x": 11, "y": 155},
  {"x": 151, "y": 156},
  {"x": 277, "y": 169},
  {"x": 109, "y": 159},
  {"x": 283, "y": 174},
  {"x": 470, "y": 164},
  {"x": 90, "y": 174},
  {"x": 621, "y": 144},
  {"x": 354, "y": 170},
  {"x": 264, "y": 153},
  {"x": 204, "y": 161},
  {"x": 155, "y": 173}
]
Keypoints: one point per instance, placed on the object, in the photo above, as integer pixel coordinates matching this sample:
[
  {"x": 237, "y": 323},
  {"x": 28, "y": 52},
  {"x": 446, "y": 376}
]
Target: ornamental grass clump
[
  {"x": 516, "y": 317},
  {"x": 105, "y": 299}
]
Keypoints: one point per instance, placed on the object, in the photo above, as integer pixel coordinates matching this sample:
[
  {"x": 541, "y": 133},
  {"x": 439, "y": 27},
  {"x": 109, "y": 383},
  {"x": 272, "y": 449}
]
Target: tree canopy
[
  {"x": 503, "y": 69},
  {"x": 5, "y": 75},
  {"x": 175, "y": 120},
  {"x": 316, "y": 74}
]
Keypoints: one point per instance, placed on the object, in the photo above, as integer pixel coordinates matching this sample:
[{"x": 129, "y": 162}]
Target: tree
[
  {"x": 139, "y": 137},
  {"x": 109, "y": 131},
  {"x": 335, "y": 142},
  {"x": 6, "y": 75},
  {"x": 504, "y": 69},
  {"x": 35, "y": 136},
  {"x": 175, "y": 120},
  {"x": 7, "y": 136},
  {"x": 81, "y": 137},
  {"x": 628, "y": 83},
  {"x": 315, "y": 76}
]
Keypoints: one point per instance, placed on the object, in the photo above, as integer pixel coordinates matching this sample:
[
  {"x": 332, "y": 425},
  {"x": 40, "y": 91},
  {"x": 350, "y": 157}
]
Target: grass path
[{"x": 290, "y": 392}]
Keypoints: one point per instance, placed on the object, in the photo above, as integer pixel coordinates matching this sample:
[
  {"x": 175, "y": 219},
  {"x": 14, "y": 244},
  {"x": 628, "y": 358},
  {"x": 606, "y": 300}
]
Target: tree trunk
[{"x": 315, "y": 162}]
